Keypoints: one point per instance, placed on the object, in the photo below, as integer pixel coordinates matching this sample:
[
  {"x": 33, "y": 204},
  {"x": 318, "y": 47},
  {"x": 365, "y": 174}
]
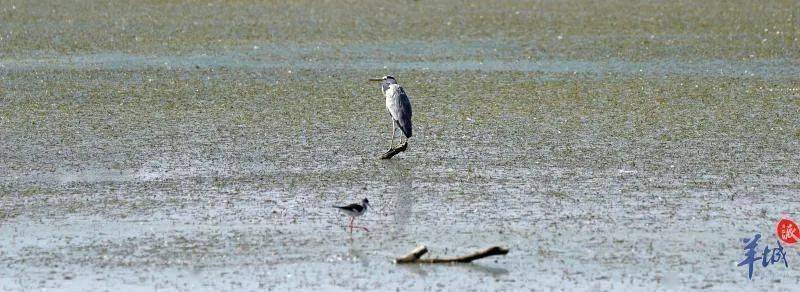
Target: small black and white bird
[{"x": 353, "y": 211}]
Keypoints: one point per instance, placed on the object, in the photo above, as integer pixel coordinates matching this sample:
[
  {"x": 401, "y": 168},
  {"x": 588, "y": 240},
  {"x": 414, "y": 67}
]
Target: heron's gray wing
[{"x": 403, "y": 112}]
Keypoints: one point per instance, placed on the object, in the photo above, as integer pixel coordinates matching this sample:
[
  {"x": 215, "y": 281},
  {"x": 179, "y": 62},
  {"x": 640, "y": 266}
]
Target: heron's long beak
[{"x": 376, "y": 79}]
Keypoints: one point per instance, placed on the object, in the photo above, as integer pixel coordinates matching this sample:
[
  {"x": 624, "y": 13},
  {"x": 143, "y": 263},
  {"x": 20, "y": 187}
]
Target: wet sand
[{"x": 182, "y": 146}]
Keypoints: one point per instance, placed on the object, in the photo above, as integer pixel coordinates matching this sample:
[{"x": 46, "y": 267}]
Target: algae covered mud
[{"x": 199, "y": 146}]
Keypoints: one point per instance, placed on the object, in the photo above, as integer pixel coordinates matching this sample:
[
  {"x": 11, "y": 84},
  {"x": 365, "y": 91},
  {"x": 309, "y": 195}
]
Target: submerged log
[
  {"x": 414, "y": 256},
  {"x": 395, "y": 149}
]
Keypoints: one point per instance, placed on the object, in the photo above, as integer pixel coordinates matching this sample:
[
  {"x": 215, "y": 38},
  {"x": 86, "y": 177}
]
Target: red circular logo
[{"x": 787, "y": 231}]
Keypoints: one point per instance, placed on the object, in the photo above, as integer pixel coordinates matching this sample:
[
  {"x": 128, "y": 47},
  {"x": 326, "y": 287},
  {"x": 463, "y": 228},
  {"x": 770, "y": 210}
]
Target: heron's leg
[
  {"x": 402, "y": 138},
  {"x": 394, "y": 130}
]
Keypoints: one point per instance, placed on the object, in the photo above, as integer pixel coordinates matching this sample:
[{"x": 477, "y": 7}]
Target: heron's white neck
[{"x": 391, "y": 90}]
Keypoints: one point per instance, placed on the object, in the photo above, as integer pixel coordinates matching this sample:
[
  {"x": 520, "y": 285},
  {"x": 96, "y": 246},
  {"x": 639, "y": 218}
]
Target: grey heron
[{"x": 398, "y": 105}]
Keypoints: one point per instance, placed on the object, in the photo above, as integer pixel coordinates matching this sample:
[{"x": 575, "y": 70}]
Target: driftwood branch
[
  {"x": 395, "y": 149},
  {"x": 414, "y": 257}
]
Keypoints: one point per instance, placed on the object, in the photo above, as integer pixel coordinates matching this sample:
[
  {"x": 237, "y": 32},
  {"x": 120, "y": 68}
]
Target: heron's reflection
[{"x": 403, "y": 195}]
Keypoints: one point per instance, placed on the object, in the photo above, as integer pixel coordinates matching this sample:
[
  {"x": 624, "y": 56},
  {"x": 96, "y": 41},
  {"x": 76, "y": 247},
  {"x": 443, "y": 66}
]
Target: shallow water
[
  {"x": 603, "y": 166},
  {"x": 761, "y": 68}
]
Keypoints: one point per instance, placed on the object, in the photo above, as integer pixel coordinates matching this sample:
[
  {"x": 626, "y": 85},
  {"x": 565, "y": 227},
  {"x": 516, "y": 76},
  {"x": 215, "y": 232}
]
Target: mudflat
[{"x": 199, "y": 146}]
